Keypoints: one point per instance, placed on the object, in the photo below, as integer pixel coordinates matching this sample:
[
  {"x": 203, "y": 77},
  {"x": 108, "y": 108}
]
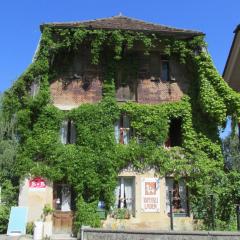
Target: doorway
[{"x": 62, "y": 204}]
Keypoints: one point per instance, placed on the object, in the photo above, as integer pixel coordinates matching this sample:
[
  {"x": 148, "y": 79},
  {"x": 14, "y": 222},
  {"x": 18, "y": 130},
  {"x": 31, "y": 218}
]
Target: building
[
  {"x": 231, "y": 72},
  {"x": 116, "y": 112}
]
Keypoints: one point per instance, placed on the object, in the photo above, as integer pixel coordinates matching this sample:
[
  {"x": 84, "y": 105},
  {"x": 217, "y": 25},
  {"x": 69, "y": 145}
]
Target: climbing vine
[{"x": 92, "y": 164}]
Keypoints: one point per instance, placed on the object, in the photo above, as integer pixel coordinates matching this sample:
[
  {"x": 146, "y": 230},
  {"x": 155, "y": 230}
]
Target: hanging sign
[
  {"x": 150, "y": 195},
  {"x": 37, "y": 183}
]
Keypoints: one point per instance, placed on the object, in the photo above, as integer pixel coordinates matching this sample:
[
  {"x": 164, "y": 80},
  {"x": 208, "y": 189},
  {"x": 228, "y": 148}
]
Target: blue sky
[{"x": 20, "y": 20}]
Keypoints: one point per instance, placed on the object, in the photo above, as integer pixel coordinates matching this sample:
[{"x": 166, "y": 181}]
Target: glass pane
[{"x": 165, "y": 71}]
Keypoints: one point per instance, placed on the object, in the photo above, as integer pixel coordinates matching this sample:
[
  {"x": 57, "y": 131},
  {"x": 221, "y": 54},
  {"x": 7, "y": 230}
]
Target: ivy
[{"x": 92, "y": 164}]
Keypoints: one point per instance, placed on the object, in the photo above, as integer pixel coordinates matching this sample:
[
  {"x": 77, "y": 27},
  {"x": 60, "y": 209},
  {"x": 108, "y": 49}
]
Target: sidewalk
[{"x": 5, "y": 237}]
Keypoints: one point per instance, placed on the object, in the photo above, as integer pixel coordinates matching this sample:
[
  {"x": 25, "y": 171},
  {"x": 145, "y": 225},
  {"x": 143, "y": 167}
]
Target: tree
[
  {"x": 8, "y": 151},
  {"x": 231, "y": 152}
]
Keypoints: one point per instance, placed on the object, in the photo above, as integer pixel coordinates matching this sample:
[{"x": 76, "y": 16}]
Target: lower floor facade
[{"x": 142, "y": 201}]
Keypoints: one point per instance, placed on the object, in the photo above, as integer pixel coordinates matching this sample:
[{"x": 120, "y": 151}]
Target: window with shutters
[
  {"x": 179, "y": 196},
  {"x": 68, "y": 132},
  {"x": 124, "y": 194},
  {"x": 123, "y": 130}
]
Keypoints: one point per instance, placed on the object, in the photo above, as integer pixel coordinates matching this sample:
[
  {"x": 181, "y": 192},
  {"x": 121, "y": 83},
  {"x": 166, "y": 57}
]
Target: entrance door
[{"x": 62, "y": 215}]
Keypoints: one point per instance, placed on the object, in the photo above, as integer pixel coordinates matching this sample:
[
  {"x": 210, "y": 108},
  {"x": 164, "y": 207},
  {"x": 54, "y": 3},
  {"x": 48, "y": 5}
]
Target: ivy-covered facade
[{"x": 115, "y": 113}]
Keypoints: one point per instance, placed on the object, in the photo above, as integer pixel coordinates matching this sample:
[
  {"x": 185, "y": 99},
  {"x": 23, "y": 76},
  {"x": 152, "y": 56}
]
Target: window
[
  {"x": 165, "y": 75},
  {"x": 124, "y": 194},
  {"x": 68, "y": 132},
  {"x": 179, "y": 196},
  {"x": 34, "y": 88},
  {"x": 175, "y": 133},
  {"x": 126, "y": 87},
  {"x": 62, "y": 197},
  {"x": 123, "y": 130}
]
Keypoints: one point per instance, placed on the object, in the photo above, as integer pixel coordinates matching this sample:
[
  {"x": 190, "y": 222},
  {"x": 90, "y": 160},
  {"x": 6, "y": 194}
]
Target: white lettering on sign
[{"x": 37, "y": 183}]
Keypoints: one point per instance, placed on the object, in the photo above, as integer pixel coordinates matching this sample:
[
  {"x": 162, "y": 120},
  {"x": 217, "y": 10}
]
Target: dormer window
[
  {"x": 122, "y": 130},
  {"x": 68, "y": 132}
]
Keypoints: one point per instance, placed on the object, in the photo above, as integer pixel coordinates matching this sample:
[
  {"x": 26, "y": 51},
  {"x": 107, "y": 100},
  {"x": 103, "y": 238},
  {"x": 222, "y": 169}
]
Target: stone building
[{"x": 159, "y": 79}]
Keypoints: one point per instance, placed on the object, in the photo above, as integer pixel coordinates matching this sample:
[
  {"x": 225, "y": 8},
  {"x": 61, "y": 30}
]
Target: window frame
[
  {"x": 68, "y": 132},
  {"x": 123, "y": 130},
  {"x": 165, "y": 60},
  {"x": 184, "y": 210},
  {"x": 120, "y": 194}
]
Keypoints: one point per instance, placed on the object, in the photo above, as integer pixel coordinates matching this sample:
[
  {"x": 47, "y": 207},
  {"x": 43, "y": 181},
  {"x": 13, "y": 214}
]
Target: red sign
[{"x": 37, "y": 182}]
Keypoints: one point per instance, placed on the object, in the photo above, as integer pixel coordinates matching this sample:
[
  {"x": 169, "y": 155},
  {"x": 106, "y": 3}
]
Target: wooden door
[{"x": 62, "y": 222}]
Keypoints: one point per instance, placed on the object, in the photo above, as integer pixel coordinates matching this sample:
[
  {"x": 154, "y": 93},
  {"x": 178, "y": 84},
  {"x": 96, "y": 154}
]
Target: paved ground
[{"x": 5, "y": 237}]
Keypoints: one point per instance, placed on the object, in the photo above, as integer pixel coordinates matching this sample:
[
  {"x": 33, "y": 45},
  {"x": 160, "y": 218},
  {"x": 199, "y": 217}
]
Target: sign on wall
[
  {"x": 150, "y": 195},
  {"x": 37, "y": 183}
]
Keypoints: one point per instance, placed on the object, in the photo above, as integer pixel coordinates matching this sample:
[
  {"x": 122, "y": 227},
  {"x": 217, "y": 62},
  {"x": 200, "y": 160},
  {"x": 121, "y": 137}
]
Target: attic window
[
  {"x": 123, "y": 130},
  {"x": 175, "y": 133},
  {"x": 165, "y": 72},
  {"x": 68, "y": 132}
]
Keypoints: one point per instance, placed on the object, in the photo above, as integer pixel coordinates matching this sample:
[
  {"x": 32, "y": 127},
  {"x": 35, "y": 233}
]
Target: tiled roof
[{"x": 126, "y": 23}]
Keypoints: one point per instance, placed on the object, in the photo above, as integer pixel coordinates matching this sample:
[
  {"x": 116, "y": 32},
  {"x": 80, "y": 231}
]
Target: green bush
[
  {"x": 4, "y": 216},
  {"x": 86, "y": 214}
]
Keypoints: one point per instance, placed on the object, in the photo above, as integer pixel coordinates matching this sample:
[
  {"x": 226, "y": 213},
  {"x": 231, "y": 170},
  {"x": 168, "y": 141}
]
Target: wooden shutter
[{"x": 73, "y": 133}]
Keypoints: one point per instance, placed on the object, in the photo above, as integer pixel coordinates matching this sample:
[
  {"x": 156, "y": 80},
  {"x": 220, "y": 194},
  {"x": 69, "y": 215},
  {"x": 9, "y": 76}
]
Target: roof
[
  {"x": 126, "y": 23},
  {"x": 236, "y": 31}
]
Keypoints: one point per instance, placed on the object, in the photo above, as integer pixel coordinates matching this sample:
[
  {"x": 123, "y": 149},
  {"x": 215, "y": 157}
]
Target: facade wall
[
  {"x": 148, "y": 220},
  {"x": 232, "y": 71},
  {"x": 35, "y": 200},
  {"x": 77, "y": 82},
  {"x": 73, "y": 94},
  {"x": 154, "y": 92},
  {"x": 81, "y": 82}
]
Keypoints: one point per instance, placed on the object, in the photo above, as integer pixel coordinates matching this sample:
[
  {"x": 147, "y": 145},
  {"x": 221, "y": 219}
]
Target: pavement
[{"x": 25, "y": 237}]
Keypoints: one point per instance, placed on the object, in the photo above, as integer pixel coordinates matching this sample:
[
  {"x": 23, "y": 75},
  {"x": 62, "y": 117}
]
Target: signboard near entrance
[
  {"x": 150, "y": 196},
  {"x": 37, "y": 183},
  {"x": 17, "y": 221}
]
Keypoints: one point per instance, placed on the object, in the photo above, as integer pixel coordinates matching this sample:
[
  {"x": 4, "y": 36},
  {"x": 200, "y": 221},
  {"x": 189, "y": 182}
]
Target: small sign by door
[{"x": 37, "y": 183}]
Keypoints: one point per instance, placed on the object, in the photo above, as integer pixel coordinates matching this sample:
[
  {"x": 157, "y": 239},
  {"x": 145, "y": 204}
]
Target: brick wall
[
  {"x": 76, "y": 92},
  {"x": 153, "y": 92},
  {"x": 82, "y": 83}
]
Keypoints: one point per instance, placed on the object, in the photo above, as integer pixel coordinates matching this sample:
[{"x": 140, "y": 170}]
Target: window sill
[
  {"x": 125, "y": 100},
  {"x": 180, "y": 214}
]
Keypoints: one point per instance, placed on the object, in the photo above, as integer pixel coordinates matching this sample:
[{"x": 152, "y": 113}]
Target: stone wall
[{"x": 103, "y": 234}]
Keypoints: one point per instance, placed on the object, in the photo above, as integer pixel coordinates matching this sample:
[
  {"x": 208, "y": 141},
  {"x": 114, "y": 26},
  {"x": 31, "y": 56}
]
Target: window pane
[
  {"x": 63, "y": 132},
  {"x": 165, "y": 71},
  {"x": 117, "y": 131},
  {"x": 179, "y": 195}
]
